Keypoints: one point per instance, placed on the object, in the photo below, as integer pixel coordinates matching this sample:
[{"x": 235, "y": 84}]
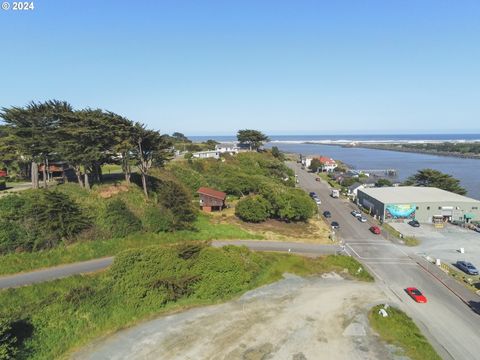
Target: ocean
[{"x": 406, "y": 164}]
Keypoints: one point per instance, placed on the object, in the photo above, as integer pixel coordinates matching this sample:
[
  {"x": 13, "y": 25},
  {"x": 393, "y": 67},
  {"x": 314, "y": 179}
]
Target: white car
[
  {"x": 362, "y": 219},
  {"x": 318, "y": 201},
  {"x": 356, "y": 213}
]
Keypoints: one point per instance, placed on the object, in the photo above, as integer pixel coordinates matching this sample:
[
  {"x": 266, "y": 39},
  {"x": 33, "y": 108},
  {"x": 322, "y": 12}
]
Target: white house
[
  {"x": 353, "y": 189},
  {"x": 227, "y": 148},
  {"x": 327, "y": 164},
  {"x": 207, "y": 154}
]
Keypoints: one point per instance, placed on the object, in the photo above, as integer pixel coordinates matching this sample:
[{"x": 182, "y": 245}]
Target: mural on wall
[{"x": 400, "y": 211}]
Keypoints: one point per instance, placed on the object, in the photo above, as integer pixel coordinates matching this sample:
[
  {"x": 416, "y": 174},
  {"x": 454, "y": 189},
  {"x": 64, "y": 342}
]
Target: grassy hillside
[{"x": 51, "y": 318}]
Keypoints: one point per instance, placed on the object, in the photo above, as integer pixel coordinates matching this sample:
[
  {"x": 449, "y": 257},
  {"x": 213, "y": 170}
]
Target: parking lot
[{"x": 444, "y": 244}]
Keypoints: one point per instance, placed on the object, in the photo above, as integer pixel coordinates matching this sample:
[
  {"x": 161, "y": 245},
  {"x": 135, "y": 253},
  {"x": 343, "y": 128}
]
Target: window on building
[
  {"x": 428, "y": 207},
  {"x": 474, "y": 208},
  {"x": 439, "y": 208},
  {"x": 417, "y": 208}
]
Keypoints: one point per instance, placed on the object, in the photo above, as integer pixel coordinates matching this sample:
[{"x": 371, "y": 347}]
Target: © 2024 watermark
[{"x": 18, "y": 6}]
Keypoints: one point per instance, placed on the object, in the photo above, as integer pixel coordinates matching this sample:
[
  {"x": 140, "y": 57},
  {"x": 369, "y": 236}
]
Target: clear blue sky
[{"x": 285, "y": 67}]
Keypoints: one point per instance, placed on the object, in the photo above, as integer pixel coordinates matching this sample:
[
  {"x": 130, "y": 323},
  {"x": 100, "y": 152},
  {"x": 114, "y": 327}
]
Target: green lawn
[
  {"x": 66, "y": 314},
  {"x": 87, "y": 250},
  {"x": 400, "y": 330}
]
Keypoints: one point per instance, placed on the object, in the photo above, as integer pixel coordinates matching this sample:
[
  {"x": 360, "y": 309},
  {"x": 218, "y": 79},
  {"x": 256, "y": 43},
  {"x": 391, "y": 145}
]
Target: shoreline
[{"x": 394, "y": 147}]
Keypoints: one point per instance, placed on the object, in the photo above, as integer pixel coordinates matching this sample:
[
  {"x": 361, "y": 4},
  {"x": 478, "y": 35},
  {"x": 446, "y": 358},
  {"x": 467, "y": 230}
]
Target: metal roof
[
  {"x": 414, "y": 194},
  {"x": 212, "y": 193}
]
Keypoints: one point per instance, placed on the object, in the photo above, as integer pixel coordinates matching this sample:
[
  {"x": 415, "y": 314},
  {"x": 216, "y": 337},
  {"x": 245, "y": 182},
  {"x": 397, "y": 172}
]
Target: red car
[
  {"x": 416, "y": 295},
  {"x": 375, "y": 230}
]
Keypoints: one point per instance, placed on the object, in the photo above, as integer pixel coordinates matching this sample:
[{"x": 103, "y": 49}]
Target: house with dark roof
[{"x": 211, "y": 199}]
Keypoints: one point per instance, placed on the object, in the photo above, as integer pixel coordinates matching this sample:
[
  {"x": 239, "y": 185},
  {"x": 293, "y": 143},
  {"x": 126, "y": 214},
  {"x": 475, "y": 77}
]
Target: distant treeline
[{"x": 463, "y": 150}]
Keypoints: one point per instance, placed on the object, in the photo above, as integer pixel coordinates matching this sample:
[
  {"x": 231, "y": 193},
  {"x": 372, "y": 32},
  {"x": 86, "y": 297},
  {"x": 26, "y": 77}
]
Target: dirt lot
[
  {"x": 295, "y": 318},
  {"x": 315, "y": 231}
]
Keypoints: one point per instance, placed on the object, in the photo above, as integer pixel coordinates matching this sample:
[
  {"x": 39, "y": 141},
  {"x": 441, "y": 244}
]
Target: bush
[
  {"x": 172, "y": 195},
  {"x": 253, "y": 208},
  {"x": 39, "y": 220},
  {"x": 288, "y": 204},
  {"x": 158, "y": 219},
  {"x": 8, "y": 341},
  {"x": 118, "y": 220}
]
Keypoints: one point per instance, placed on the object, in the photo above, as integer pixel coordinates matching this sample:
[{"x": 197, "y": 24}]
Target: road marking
[
  {"x": 374, "y": 272},
  {"x": 371, "y": 243},
  {"x": 392, "y": 263},
  {"x": 370, "y": 258}
]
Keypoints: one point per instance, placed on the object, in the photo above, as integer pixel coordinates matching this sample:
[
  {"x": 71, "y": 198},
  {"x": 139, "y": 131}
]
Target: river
[{"x": 467, "y": 170}]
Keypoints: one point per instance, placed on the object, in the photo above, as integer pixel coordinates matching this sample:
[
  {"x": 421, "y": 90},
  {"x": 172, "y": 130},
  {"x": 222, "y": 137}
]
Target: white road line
[
  {"x": 391, "y": 263},
  {"x": 354, "y": 251},
  {"x": 370, "y": 243},
  {"x": 374, "y": 273}
]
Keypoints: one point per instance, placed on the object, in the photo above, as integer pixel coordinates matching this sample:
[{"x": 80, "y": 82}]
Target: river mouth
[{"x": 294, "y": 318}]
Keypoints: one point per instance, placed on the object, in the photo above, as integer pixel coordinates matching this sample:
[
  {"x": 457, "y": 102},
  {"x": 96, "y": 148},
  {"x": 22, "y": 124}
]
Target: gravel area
[{"x": 295, "y": 318}]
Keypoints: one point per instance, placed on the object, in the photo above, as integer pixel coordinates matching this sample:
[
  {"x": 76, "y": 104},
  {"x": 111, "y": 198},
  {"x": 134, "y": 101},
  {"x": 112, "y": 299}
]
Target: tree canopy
[
  {"x": 315, "y": 164},
  {"x": 253, "y": 138},
  {"x": 435, "y": 178},
  {"x": 86, "y": 139}
]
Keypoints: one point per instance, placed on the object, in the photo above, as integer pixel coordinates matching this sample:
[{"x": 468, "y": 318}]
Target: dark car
[
  {"x": 335, "y": 225},
  {"x": 414, "y": 223},
  {"x": 312, "y": 194},
  {"x": 327, "y": 214},
  {"x": 467, "y": 267}
]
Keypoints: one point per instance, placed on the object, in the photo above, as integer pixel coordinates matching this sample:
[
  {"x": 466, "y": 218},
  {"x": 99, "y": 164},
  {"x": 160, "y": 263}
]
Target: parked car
[
  {"x": 327, "y": 214},
  {"x": 335, "y": 225},
  {"x": 362, "y": 219},
  {"x": 467, "y": 267},
  {"x": 312, "y": 194},
  {"x": 414, "y": 223},
  {"x": 356, "y": 213},
  {"x": 317, "y": 200},
  {"x": 416, "y": 295},
  {"x": 375, "y": 229}
]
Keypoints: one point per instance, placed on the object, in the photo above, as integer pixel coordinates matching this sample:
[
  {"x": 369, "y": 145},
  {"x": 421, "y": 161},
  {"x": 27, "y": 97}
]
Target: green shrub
[
  {"x": 118, "y": 220},
  {"x": 288, "y": 204},
  {"x": 12, "y": 237},
  {"x": 172, "y": 195},
  {"x": 225, "y": 271},
  {"x": 39, "y": 220},
  {"x": 158, "y": 219},
  {"x": 253, "y": 208},
  {"x": 8, "y": 341}
]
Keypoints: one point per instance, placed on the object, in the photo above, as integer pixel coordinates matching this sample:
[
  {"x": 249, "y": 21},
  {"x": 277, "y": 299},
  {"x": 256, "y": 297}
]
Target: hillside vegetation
[
  {"x": 42, "y": 219},
  {"x": 46, "y": 320},
  {"x": 266, "y": 178}
]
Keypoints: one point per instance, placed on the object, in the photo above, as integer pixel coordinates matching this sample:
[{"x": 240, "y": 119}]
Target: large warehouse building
[{"x": 425, "y": 204}]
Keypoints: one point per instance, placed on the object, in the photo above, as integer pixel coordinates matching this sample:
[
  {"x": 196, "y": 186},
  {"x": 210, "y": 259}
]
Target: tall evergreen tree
[{"x": 435, "y": 178}]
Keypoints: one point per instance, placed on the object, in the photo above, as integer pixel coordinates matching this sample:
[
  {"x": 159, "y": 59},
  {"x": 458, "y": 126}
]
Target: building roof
[
  {"x": 355, "y": 186},
  {"x": 326, "y": 160},
  {"x": 414, "y": 194},
  {"x": 212, "y": 193}
]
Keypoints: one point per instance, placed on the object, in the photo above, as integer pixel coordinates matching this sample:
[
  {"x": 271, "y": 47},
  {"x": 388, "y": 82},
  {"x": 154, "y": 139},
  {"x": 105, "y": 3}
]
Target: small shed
[{"x": 211, "y": 199}]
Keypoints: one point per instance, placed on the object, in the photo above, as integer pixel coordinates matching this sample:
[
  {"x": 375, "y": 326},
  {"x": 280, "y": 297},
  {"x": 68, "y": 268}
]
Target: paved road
[
  {"x": 53, "y": 273},
  {"x": 62, "y": 271},
  {"x": 450, "y": 325}
]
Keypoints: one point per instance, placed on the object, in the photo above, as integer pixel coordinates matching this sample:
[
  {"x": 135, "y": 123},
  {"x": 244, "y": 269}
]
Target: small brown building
[{"x": 211, "y": 200}]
